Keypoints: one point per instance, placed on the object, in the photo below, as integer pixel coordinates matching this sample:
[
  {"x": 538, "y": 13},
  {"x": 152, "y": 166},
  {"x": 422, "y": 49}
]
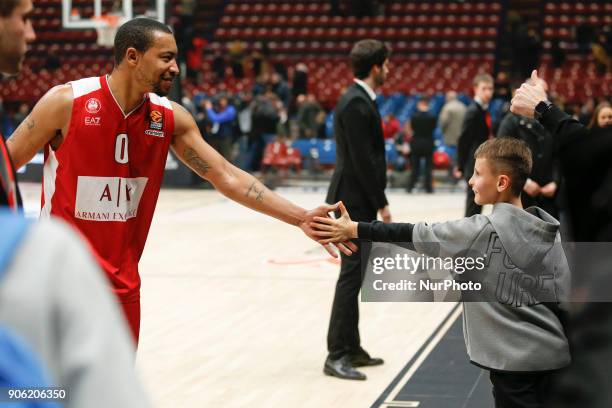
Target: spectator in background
[
  {"x": 188, "y": 103},
  {"x": 280, "y": 87},
  {"x": 260, "y": 86},
  {"x": 257, "y": 60},
  {"x": 502, "y": 87},
  {"x": 194, "y": 58},
  {"x": 218, "y": 66},
  {"x": 236, "y": 56},
  {"x": 21, "y": 114},
  {"x": 307, "y": 116},
  {"x": 601, "y": 55},
  {"x": 299, "y": 85},
  {"x": 541, "y": 187},
  {"x": 602, "y": 117},
  {"x": 477, "y": 128},
  {"x": 265, "y": 118},
  {"x": 583, "y": 34},
  {"x": 451, "y": 120},
  {"x": 222, "y": 115},
  {"x": 423, "y": 124},
  {"x": 390, "y": 126},
  {"x": 402, "y": 145}
]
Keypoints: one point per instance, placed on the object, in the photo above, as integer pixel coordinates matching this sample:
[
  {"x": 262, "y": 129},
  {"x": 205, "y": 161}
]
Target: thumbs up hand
[{"x": 528, "y": 96}]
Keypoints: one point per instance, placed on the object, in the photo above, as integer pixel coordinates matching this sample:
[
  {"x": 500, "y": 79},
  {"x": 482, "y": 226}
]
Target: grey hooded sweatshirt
[{"x": 513, "y": 324}]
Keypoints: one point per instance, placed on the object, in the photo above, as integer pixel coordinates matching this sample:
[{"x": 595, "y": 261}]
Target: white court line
[{"x": 398, "y": 387}]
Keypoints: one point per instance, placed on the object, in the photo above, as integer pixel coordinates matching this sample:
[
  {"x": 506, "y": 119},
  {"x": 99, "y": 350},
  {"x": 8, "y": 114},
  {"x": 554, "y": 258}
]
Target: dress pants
[{"x": 343, "y": 334}]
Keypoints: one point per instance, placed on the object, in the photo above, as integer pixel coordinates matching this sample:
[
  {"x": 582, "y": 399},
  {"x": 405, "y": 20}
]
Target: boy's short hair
[
  {"x": 366, "y": 54},
  {"x": 509, "y": 156},
  {"x": 482, "y": 78},
  {"x": 7, "y": 7}
]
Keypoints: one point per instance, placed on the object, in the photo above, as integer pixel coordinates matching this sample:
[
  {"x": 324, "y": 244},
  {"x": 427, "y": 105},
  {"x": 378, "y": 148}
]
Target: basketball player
[{"x": 106, "y": 141}]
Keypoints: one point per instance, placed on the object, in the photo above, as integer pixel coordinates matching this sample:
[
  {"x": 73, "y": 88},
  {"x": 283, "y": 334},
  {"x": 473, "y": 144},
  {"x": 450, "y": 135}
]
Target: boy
[{"x": 519, "y": 339}]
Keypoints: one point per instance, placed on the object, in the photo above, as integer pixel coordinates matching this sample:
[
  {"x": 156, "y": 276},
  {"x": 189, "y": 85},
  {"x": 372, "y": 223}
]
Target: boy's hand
[
  {"x": 346, "y": 248},
  {"x": 329, "y": 230}
]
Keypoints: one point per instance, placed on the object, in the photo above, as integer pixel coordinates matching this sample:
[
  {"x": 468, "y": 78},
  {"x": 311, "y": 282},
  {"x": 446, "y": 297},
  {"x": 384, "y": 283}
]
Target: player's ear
[{"x": 132, "y": 56}]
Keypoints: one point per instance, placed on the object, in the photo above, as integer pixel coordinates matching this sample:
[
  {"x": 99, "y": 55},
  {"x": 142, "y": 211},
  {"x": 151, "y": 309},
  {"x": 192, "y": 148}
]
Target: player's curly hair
[
  {"x": 138, "y": 34},
  {"x": 7, "y": 7}
]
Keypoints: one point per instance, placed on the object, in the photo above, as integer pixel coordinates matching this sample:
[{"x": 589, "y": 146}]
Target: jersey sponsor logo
[
  {"x": 157, "y": 120},
  {"x": 108, "y": 198},
  {"x": 93, "y": 105},
  {"x": 156, "y": 133},
  {"x": 92, "y": 121}
]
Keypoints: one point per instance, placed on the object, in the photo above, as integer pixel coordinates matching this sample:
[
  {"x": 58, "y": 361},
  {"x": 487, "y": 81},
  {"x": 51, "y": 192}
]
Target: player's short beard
[{"x": 157, "y": 89}]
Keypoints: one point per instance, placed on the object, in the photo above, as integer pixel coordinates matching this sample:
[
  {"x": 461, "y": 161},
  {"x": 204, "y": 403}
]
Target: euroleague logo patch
[
  {"x": 157, "y": 120},
  {"x": 93, "y": 105}
]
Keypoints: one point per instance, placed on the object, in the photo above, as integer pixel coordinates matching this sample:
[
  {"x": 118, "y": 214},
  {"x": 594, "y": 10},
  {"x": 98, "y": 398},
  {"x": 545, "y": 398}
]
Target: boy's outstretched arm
[{"x": 343, "y": 229}]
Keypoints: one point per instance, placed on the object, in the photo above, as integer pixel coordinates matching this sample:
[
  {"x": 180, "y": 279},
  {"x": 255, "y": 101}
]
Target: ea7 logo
[{"x": 92, "y": 121}]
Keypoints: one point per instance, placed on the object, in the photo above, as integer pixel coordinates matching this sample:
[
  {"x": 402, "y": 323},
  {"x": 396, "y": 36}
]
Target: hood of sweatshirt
[{"x": 526, "y": 234}]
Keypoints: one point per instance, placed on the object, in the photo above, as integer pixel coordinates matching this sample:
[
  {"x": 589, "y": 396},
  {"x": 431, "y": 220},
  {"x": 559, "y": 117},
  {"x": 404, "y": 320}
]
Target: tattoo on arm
[
  {"x": 30, "y": 123},
  {"x": 199, "y": 165},
  {"x": 259, "y": 193}
]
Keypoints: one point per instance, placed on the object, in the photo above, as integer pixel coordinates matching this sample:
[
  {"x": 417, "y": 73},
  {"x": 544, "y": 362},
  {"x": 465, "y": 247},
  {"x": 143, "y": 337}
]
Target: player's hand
[
  {"x": 549, "y": 189},
  {"x": 528, "y": 96},
  {"x": 330, "y": 230},
  {"x": 347, "y": 248},
  {"x": 385, "y": 214},
  {"x": 532, "y": 188}
]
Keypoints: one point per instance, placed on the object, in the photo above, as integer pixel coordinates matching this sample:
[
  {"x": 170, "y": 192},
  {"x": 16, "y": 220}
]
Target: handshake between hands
[{"x": 338, "y": 231}]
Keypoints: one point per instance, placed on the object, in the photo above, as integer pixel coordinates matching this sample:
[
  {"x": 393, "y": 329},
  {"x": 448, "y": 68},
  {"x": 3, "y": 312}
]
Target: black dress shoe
[
  {"x": 363, "y": 360},
  {"x": 342, "y": 368}
]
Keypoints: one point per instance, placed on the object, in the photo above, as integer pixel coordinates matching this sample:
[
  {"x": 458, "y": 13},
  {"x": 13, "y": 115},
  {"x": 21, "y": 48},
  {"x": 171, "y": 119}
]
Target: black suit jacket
[
  {"x": 540, "y": 142},
  {"x": 474, "y": 132},
  {"x": 360, "y": 176}
]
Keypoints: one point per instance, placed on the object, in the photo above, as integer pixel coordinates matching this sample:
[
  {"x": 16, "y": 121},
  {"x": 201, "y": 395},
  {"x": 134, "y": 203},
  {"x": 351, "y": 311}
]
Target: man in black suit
[
  {"x": 542, "y": 185},
  {"x": 476, "y": 130},
  {"x": 359, "y": 180}
]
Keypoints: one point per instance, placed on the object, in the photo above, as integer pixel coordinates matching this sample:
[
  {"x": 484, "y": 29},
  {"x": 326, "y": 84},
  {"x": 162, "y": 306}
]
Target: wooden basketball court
[{"x": 235, "y": 307}]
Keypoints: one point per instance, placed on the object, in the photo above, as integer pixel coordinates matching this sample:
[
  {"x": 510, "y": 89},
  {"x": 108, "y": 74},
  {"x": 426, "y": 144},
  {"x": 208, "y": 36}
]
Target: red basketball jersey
[{"x": 105, "y": 177}]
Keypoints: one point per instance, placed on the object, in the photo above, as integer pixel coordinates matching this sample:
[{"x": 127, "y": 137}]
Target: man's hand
[
  {"x": 385, "y": 214},
  {"x": 528, "y": 96},
  {"x": 329, "y": 230},
  {"x": 532, "y": 188},
  {"x": 458, "y": 174},
  {"x": 549, "y": 189},
  {"x": 346, "y": 247}
]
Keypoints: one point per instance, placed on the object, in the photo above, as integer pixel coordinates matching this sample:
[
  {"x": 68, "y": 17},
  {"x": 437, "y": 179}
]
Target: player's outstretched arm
[
  {"x": 46, "y": 123},
  {"x": 237, "y": 184}
]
